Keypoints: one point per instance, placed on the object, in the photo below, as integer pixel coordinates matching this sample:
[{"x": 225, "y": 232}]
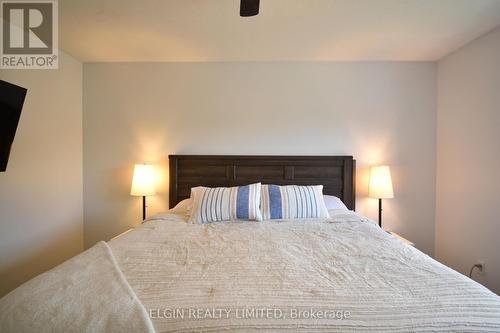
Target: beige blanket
[
  {"x": 338, "y": 275},
  {"x": 87, "y": 293}
]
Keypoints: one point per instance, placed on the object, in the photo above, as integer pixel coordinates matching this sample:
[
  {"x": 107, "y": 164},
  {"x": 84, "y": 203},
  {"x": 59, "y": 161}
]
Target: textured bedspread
[
  {"x": 87, "y": 293},
  {"x": 342, "y": 274}
]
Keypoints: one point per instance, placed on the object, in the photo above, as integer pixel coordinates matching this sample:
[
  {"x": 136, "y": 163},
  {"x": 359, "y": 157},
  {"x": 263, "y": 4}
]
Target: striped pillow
[
  {"x": 226, "y": 203},
  {"x": 293, "y": 202}
]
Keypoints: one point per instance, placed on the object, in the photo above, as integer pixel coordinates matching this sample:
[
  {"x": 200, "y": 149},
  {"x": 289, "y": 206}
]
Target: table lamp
[
  {"x": 380, "y": 187},
  {"x": 143, "y": 184}
]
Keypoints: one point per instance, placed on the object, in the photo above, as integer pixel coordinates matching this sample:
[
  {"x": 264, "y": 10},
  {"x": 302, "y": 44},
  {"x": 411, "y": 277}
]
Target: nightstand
[
  {"x": 123, "y": 233},
  {"x": 404, "y": 240}
]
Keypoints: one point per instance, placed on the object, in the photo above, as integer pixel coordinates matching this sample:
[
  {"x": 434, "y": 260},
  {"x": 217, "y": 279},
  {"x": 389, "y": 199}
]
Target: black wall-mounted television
[{"x": 11, "y": 104}]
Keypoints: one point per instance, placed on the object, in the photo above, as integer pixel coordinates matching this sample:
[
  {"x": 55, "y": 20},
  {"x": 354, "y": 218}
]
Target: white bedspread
[
  {"x": 345, "y": 267},
  {"x": 87, "y": 293}
]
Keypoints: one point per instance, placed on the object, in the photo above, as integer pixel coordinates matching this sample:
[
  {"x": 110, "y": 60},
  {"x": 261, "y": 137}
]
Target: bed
[{"x": 339, "y": 274}]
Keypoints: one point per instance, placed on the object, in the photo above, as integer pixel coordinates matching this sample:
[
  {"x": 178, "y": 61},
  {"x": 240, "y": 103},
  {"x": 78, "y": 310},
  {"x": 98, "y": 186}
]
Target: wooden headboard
[{"x": 335, "y": 173}]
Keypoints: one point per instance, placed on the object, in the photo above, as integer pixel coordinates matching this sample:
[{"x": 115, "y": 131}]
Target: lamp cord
[{"x": 472, "y": 268}]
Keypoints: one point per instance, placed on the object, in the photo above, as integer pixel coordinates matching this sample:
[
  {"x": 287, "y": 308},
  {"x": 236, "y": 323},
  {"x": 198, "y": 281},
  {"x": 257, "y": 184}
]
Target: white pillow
[
  {"x": 183, "y": 207},
  {"x": 226, "y": 203},
  {"x": 332, "y": 202}
]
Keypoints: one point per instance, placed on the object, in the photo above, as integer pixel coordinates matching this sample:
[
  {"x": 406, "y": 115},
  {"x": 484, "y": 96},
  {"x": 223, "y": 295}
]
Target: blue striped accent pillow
[
  {"x": 226, "y": 203},
  {"x": 293, "y": 202}
]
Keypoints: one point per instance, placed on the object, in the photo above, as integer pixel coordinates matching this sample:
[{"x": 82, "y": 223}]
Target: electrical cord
[{"x": 472, "y": 268}]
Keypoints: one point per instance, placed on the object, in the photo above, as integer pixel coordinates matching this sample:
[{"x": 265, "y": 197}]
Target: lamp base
[
  {"x": 380, "y": 213},
  {"x": 143, "y": 208}
]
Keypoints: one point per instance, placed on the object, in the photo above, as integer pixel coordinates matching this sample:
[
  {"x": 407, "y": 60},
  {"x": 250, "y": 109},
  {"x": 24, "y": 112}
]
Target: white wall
[
  {"x": 378, "y": 112},
  {"x": 41, "y": 217},
  {"x": 468, "y": 159}
]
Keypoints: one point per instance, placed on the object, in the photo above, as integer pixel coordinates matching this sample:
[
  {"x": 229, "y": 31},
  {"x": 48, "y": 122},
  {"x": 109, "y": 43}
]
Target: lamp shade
[
  {"x": 143, "y": 181},
  {"x": 380, "y": 186}
]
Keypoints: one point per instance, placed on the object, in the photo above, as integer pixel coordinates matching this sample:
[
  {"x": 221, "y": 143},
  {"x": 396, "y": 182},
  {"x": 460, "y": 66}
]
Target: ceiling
[{"x": 285, "y": 30}]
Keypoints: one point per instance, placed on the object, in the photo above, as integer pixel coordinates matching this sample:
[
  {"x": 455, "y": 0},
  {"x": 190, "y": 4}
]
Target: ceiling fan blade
[{"x": 249, "y": 7}]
